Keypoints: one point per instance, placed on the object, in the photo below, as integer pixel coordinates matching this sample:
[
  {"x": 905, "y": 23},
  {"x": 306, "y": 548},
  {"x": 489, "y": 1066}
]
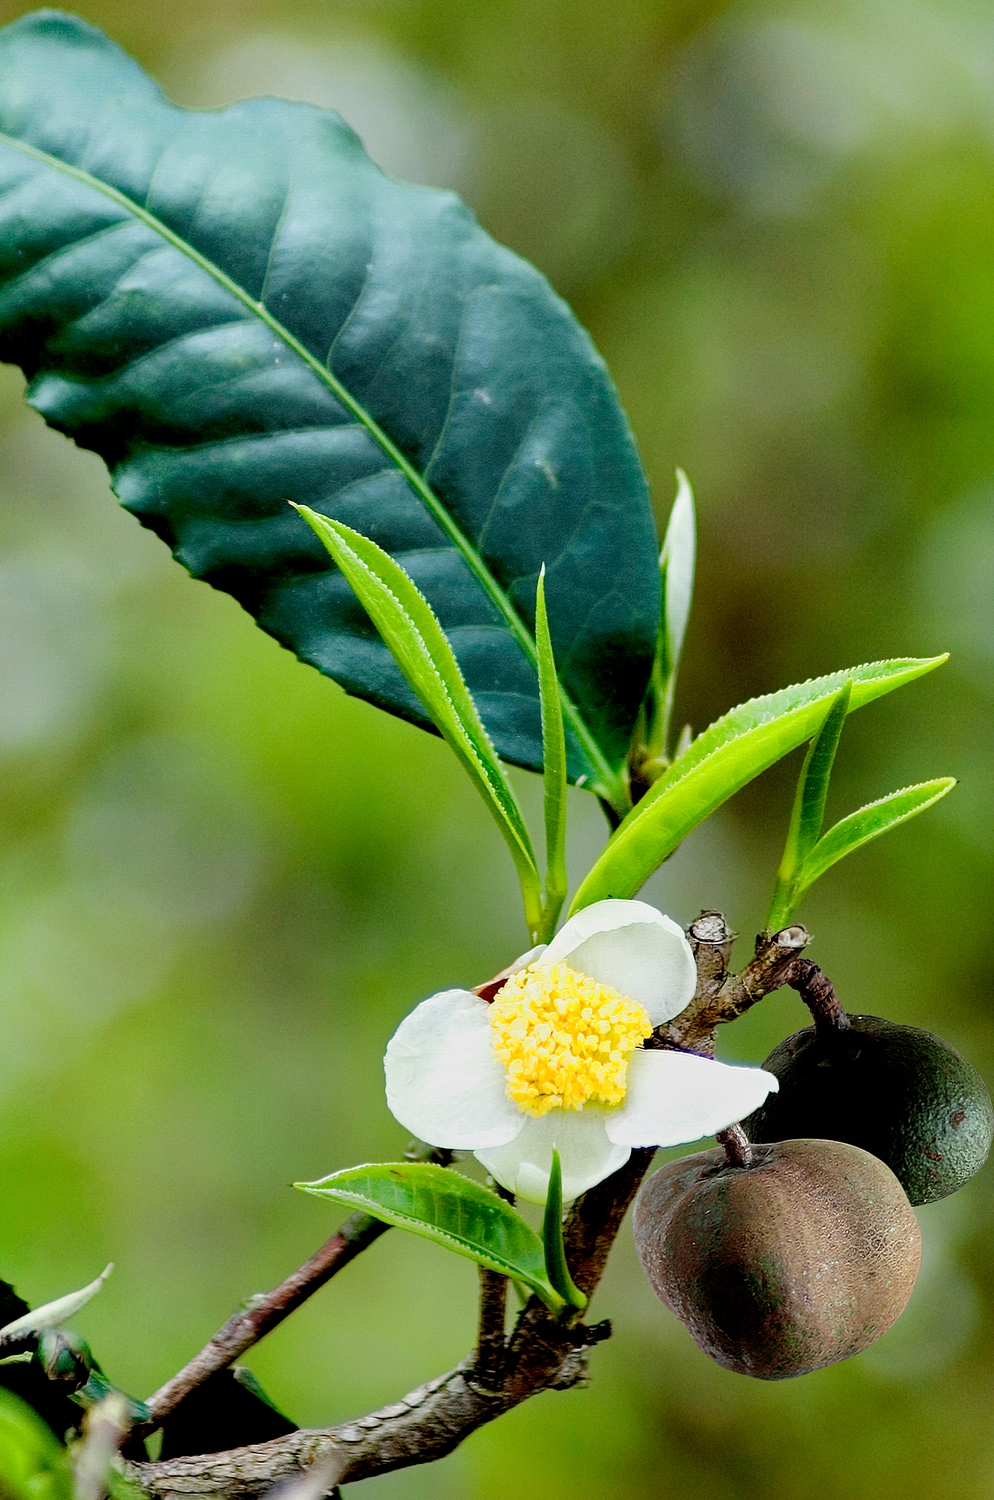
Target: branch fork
[{"x": 503, "y": 1370}]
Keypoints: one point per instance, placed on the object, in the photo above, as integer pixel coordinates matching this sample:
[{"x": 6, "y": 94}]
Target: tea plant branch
[
  {"x": 490, "y": 1345},
  {"x": 737, "y": 1145},
  {"x": 818, "y": 993},
  {"x": 250, "y": 1324},
  {"x": 721, "y": 996},
  {"x": 431, "y": 1421},
  {"x": 262, "y": 1315}
]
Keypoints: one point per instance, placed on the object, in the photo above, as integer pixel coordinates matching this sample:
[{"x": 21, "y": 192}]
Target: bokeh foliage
[{"x": 223, "y": 882}]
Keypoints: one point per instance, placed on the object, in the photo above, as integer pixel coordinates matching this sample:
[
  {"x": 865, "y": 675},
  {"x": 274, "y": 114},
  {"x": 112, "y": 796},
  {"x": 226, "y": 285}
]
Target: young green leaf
[
  {"x": 54, "y": 1314},
  {"x": 676, "y": 569},
  {"x": 443, "y": 1206},
  {"x": 867, "y": 823},
  {"x": 554, "y": 770},
  {"x": 734, "y": 750},
  {"x": 808, "y": 812},
  {"x": 552, "y": 1236},
  {"x": 405, "y": 621}
]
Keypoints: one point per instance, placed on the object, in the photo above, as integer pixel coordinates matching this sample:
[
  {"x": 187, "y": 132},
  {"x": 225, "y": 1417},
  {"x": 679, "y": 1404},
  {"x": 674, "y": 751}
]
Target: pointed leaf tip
[
  {"x": 408, "y": 627},
  {"x": 677, "y": 562},
  {"x": 730, "y": 753},
  {"x": 868, "y": 823},
  {"x": 808, "y": 812},
  {"x": 556, "y": 1265},
  {"x": 55, "y": 1314},
  {"x": 451, "y": 1210}
]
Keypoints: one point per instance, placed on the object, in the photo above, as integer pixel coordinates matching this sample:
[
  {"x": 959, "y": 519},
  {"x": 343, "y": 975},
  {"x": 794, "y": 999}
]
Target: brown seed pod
[{"x": 800, "y": 1259}]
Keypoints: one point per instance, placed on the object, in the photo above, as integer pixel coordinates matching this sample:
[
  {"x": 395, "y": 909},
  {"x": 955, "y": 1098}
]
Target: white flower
[{"x": 556, "y": 1060}]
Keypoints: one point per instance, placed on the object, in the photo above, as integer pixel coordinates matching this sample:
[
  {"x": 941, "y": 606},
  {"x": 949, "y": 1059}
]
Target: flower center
[{"x": 563, "y": 1038}]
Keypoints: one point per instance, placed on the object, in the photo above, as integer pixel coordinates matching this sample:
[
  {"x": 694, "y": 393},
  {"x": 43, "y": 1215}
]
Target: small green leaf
[
  {"x": 54, "y": 1314},
  {"x": 408, "y": 626},
  {"x": 33, "y": 1464},
  {"x": 444, "y": 1206},
  {"x": 676, "y": 568},
  {"x": 868, "y": 823},
  {"x": 808, "y": 812},
  {"x": 734, "y": 750},
  {"x": 552, "y": 1235},
  {"x": 554, "y": 770}
]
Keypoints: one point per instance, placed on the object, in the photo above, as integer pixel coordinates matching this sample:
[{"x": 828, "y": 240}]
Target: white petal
[
  {"x": 531, "y": 957},
  {"x": 585, "y": 1154},
  {"x": 443, "y": 1081},
  {"x": 633, "y": 948},
  {"x": 675, "y": 1097}
]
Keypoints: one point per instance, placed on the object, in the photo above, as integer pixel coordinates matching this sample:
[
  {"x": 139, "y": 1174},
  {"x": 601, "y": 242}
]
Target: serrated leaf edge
[{"x": 418, "y": 1226}]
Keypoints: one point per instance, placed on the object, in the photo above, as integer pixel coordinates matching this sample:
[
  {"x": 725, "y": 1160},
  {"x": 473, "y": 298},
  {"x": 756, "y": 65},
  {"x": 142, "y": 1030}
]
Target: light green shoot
[
  {"x": 676, "y": 568},
  {"x": 808, "y": 813},
  {"x": 808, "y": 852},
  {"x": 552, "y": 1236},
  {"x": 554, "y": 770},
  {"x": 868, "y": 823},
  {"x": 409, "y": 628}
]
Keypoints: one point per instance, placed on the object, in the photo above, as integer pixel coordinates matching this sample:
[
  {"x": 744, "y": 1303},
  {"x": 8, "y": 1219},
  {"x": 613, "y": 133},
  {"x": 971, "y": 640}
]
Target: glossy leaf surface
[
  {"x": 237, "y": 309},
  {"x": 444, "y": 1206},
  {"x": 734, "y": 750}
]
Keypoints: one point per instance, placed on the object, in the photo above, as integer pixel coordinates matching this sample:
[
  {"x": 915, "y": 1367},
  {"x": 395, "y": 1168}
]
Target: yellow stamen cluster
[{"x": 563, "y": 1038}]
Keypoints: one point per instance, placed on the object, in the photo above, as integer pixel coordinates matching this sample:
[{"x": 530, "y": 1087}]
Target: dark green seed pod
[
  {"x": 800, "y": 1259},
  {"x": 897, "y": 1091}
]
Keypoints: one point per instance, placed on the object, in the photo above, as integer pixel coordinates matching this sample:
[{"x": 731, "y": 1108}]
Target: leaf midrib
[{"x": 610, "y": 783}]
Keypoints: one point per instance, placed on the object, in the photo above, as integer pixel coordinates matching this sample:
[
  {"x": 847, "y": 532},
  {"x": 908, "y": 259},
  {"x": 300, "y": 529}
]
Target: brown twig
[
  {"x": 490, "y": 1345},
  {"x": 541, "y": 1353},
  {"x": 248, "y": 1326},
  {"x": 263, "y": 1314},
  {"x": 433, "y": 1420},
  {"x": 738, "y": 1147},
  {"x": 715, "y": 1004},
  {"x": 818, "y": 993},
  {"x": 711, "y": 940}
]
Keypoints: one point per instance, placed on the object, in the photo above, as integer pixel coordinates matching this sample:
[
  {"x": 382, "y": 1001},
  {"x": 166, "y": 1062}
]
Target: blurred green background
[{"x": 223, "y": 882}]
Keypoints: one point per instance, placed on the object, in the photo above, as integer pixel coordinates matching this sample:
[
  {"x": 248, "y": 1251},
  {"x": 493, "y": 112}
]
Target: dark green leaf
[
  {"x": 808, "y": 813},
  {"x": 237, "y": 308},
  {"x": 554, "y": 774},
  {"x": 733, "y": 751},
  {"x": 552, "y": 1236},
  {"x": 868, "y": 823},
  {"x": 419, "y": 646},
  {"x": 444, "y": 1206}
]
